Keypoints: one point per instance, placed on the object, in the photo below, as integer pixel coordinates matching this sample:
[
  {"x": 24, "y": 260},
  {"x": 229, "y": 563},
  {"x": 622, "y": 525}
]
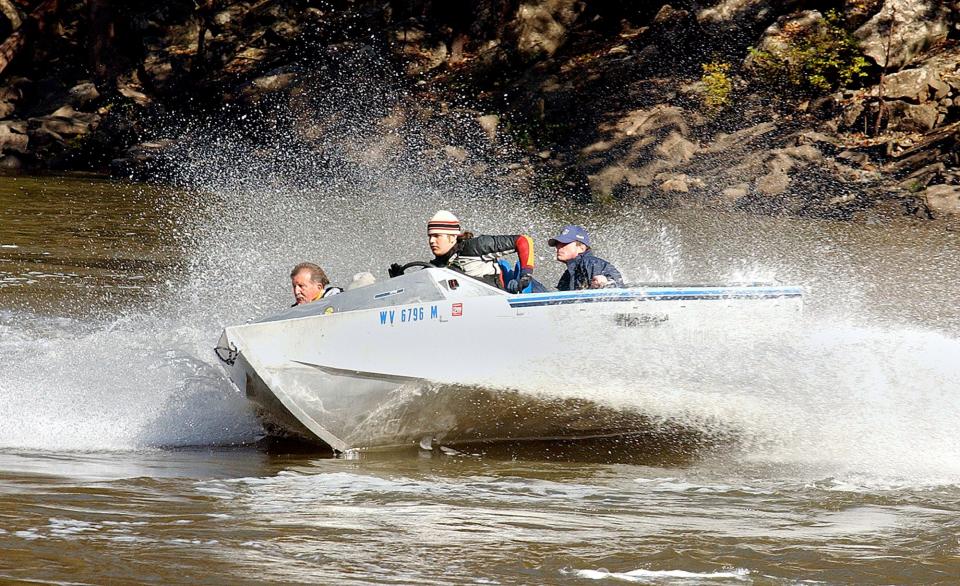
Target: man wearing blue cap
[{"x": 584, "y": 271}]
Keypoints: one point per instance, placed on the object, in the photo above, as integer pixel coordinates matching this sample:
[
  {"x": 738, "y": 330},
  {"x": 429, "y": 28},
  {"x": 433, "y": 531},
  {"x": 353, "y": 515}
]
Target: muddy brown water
[{"x": 126, "y": 457}]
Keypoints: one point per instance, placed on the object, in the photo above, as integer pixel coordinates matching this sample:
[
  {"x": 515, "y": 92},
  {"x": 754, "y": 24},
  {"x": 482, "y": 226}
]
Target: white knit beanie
[{"x": 443, "y": 222}]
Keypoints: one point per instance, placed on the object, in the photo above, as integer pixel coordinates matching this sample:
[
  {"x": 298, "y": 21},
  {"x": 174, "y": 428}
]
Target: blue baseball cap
[{"x": 571, "y": 233}]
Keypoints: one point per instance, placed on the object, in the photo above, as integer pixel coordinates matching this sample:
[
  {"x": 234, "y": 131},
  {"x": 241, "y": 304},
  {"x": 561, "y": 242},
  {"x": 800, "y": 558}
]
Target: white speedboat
[{"x": 429, "y": 357}]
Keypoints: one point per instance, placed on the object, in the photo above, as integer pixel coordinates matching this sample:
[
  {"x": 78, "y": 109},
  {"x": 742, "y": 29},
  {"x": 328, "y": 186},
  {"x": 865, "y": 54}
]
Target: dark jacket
[
  {"x": 581, "y": 270},
  {"x": 477, "y": 256}
]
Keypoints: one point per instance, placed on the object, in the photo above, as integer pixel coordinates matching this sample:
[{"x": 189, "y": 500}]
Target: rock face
[
  {"x": 541, "y": 27},
  {"x": 916, "y": 100},
  {"x": 777, "y": 36},
  {"x": 742, "y": 17},
  {"x": 903, "y": 29},
  {"x": 943, "y": 200},
  {"x": 593, "y": 99},
  {"x": 912, "y": 85}
]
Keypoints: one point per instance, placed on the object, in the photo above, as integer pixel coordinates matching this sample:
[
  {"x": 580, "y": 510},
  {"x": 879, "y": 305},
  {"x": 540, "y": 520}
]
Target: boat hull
[{"x": 442, "y": 368}]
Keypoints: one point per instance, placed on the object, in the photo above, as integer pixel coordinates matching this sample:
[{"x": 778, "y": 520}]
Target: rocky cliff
[{"x": 829, "y": 109}]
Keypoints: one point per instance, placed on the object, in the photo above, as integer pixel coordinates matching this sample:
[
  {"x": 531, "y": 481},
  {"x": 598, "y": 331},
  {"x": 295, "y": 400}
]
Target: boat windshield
[{"x": 432, "y": 284}]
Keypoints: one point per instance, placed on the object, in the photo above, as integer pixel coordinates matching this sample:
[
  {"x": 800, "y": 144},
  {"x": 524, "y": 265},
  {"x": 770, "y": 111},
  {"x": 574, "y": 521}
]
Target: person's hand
[
  {"x": 395, "y": 270},
  {"x": 526, "y": 275},
  {"x": 519, "y": 284},
  {"x": 599, "y": 282}
]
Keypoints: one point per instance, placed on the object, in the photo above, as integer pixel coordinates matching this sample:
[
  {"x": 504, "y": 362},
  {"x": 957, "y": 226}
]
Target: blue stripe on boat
[{"x": 611, "y": 295}]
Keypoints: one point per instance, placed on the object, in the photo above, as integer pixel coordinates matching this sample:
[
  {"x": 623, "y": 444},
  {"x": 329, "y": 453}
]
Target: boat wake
[
  {"x": 839, "y": 392},
  {"x": 832, "y": 395},
  {"x": 121, "y": 383},
  {"x": 837, "y": 398}
]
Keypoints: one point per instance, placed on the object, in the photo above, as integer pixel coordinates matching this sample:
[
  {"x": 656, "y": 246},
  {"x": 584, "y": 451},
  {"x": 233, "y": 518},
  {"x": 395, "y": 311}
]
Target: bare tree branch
[
  {"x": 16, "y": 41},
  {"x": 12, "y": 13}
]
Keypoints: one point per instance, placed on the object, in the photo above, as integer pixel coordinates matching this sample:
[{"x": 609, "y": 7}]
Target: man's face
[
  {"x": 569, "y": 251},
  {"x": 304, "y": 289},
  {"x": 440, "y": 244}
]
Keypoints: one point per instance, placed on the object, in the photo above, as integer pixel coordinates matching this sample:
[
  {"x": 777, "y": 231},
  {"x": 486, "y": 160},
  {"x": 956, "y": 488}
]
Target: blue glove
[
  {"x": 520, "y": 284},
  {"x": 526, "y": 275}
]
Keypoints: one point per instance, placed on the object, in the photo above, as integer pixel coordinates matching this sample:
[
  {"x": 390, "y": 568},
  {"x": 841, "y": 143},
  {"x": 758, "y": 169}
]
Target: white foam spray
[{"x": 858, "y": 388}]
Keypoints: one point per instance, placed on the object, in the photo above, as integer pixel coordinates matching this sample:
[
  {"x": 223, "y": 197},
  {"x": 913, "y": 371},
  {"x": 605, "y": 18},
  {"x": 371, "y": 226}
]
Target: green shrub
[
  {"x": 716, "y": 86},
  {"x": 818, "y": 59}
]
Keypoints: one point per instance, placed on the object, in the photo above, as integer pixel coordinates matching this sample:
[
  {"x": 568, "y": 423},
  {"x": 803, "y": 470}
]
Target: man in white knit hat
[
  {"x": 477, "y": 256},
  {"x": 443, "y": 229}
]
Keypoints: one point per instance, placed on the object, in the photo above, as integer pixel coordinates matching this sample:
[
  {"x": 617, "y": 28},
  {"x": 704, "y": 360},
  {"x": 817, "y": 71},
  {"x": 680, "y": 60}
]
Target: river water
[{"x": 127, "y": 457}]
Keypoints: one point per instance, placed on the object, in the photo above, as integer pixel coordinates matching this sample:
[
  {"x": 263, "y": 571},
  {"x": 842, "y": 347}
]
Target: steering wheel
[{"x": 396, "y": 269}]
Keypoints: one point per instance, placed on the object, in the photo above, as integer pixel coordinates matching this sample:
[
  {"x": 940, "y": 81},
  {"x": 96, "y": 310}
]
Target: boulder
[
  {"x": 254, "y": 91},
  {"x": 64, "y": 122},
  {"x": 672, "y": 29},
  {"x": 648, "y": 122},
  {"x": 852, "y": 111},
  {"x": 83, "y": 94},
  {"x": 246, "y": 61},
  {"x": 939, "y": 89},
  {"x": 902, "y": 29},
  {"x": 942, "y": 200},
  {"x": 778, "y": 36},
  {"x": 736, "y": 192},
  {"x": 421, "y": 53},
  {"x": 274, "y": 82},
  {"x": 607, "y": 180},
  {"x": 129, "y": 86},
  {"x": 856, "y": 157},
  {"x": 489, "y": 125},
  {"x": 804, "y": 152},
  {"x": 41, "y": 138},
  {"x": 143, "y": 160},
  {"x": 455, "y": 153},
  {"x": 286, "y": 30},
  {"x": 906, "y": 117},
  {"x": 158, "y": 71},
  {"x": 679, "y": 183},
  {"x": 741, "y": 139},
  {"x": 670, "y": 17},
  {"x": 911, "y": 84},
  {"x": 952, "y": 79},
  {"x": 676, "y": 149},
  {"x": 11, "y": 94},
  {"x": 222, "y": 19},
  {"x": 13, "y": 137},
  {"x": 541, "y": 27},
  {"x": 743, "y": 13},
  {"x": 781, "y": 162},
  {"x": 773, "y": 183},
  {"x": 11, "y": 162}
]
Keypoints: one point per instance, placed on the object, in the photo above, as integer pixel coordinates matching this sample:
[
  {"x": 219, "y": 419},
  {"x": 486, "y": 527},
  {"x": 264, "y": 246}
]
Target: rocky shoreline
[{"x": 818, "y": 109}]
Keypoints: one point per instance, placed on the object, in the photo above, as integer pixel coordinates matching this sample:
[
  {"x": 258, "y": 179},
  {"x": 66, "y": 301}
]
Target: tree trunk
[
  {"x": 103, "y": 34},
  {"x": 37, "y": 21},
  {"x": 205, "y": 12},
  {"x": 882, "y": 104},
  {"x": 10, "y": 48},
  {"x": 12, "y": 13}
]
